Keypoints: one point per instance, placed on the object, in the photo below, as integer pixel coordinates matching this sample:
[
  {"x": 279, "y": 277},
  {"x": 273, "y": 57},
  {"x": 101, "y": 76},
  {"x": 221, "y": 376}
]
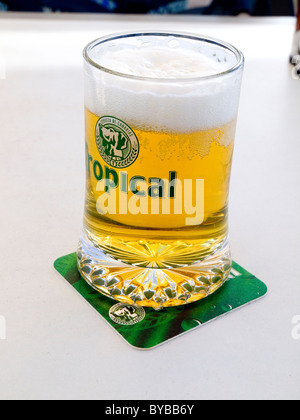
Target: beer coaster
[{"x": 145, "y": 328}]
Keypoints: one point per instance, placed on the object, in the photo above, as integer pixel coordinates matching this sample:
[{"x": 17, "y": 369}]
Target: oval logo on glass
[{"x": 116, "y": 142}]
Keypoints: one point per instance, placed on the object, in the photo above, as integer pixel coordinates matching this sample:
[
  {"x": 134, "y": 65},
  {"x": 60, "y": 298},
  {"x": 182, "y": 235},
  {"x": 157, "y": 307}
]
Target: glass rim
[{"x": 214, "y": 41}]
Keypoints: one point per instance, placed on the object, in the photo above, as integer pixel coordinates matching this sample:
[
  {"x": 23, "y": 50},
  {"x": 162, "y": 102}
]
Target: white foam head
[{"x": 166, "y": 83}]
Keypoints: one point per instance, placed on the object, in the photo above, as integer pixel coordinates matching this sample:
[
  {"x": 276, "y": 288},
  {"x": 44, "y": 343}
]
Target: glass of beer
[{"x": 161, "y": 111}]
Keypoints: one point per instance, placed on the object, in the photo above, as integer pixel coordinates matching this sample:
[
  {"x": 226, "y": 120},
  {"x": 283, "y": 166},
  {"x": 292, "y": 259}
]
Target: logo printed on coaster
[
  {"x": 125, "y": 314},
  {"x": 116, "y": 142}
]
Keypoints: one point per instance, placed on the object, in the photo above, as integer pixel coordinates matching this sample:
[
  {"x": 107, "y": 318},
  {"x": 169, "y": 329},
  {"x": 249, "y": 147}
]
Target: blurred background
[{"x": 204, "y": 7}]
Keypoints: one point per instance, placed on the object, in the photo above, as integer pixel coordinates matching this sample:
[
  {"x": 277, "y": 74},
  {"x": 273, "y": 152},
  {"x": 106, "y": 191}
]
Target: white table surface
[{"x": 56, "y": 346}]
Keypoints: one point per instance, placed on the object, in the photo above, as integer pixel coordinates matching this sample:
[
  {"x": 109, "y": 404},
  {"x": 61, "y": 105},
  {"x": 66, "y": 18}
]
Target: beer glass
[{"x": 161, "y": 111}]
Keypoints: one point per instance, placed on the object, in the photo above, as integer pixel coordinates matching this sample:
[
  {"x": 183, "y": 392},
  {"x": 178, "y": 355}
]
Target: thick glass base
[{"x": 152, "y": 287}]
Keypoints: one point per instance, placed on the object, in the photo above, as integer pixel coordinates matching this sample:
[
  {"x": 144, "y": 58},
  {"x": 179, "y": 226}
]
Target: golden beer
[{"x": 156, "y": 212}]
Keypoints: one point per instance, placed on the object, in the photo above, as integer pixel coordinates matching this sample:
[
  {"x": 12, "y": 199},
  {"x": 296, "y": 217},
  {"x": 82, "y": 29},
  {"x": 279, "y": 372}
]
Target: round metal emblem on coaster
[{"x": 125, "y": 314}]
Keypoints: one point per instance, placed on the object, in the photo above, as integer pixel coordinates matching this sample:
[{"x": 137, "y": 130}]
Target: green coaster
[{"x": 149, "y": 328}]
